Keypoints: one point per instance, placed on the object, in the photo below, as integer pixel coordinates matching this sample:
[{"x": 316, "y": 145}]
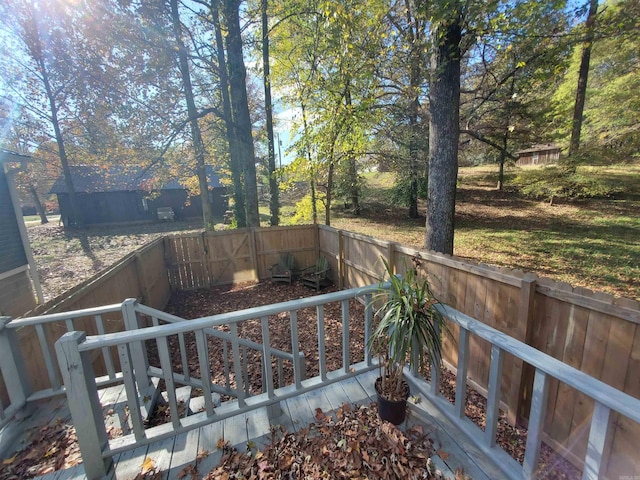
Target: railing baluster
[
  {"x": 435, "y": 370},
  {"x": 493, "y": 395},
  {"x": 155, "y": 321},
  {"x": 280, "y": 372},
  {"x": 322, "y": 351},
  {"x": 368, "y": 320},
  {"x": 183, "y": 356},
  {"x": 205, "y": 370},
  {"x": 266, "y": 357},
  {"x": 137, "y": 350},
  {"x": 69, "y": 323},
  {"x": 346, "y": 358},
  {"x": 106, "y": 353},
  {"x": 48, "y": 359},
  {"x": 461, "y": 374},
  {"x": 84, "y": 405},
  {"x": 227, "y": 370},
  {"x": 245, "y": 370},
  {"x": 126, "y": 365},
  {"x": 237, "y": 367},
  {"x": 167, "y": 373},
  {"x": 295, "y": 348},
  {"x": 12, "y": 365},
  {"x": 536, "y": 420},
  {"x": 597, "y": 438}
]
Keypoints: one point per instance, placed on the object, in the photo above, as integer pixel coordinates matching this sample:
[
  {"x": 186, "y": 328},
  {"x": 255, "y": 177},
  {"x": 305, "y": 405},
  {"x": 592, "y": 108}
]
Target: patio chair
[
  {"x": 283, "y": 270},
  {"x": 316, "y": 276}
]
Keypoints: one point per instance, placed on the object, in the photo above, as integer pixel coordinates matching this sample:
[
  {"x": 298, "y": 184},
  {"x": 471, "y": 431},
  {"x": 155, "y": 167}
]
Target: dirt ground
[{"x": 65, "y": 258}]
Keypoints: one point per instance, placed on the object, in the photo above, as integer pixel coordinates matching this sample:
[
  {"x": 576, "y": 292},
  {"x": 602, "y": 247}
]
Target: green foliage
[
  {"x": 401, "y": 192},
  {"x": 304, "y": 211},
  {"x": 555, "y": 182},
  {"x": 612, "y": 107}
]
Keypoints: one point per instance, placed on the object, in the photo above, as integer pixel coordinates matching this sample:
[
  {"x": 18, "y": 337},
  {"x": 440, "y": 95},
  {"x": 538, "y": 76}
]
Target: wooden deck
[{"x": 172, "y": 455}]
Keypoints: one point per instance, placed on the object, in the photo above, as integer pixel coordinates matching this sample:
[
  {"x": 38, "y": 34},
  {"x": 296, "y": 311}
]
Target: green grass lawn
[{"x": 589, "y": 243}]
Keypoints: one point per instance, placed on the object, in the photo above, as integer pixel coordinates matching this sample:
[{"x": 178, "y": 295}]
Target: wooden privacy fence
[
  {"x": 141, "y": 275},
  {"x": 592, "y": 332},
  {"x": 219, "y": 258}
]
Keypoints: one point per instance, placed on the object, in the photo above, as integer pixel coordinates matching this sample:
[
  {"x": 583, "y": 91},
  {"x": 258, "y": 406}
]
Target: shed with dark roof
[{"x": 121, "y": 194}]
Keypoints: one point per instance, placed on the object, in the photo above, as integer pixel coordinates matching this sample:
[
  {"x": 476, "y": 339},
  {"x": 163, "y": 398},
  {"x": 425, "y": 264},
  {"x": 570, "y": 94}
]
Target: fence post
[
  {"x": 341, "y": 274},
  {"x": 138, "y": 349},
  {"x": 12, "y": 365},
  {"x": 253, "y": 253},
  {"x": 142, "y": 279},
  {"x": 523, "y": 374},
  {"x": 84, "y": 405}
]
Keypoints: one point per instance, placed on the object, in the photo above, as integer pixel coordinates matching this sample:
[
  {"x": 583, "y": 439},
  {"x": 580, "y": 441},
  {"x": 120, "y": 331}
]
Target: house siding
[
  {"x": 16, "y": 295},
  {"x": 13, "y": 254}
]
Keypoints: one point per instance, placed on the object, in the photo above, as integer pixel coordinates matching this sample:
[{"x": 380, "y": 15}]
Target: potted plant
[{"x": 408, "y": 333}]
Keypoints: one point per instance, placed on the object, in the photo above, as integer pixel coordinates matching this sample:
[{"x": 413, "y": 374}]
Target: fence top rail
[
  {"x": 593, "y": 388},
  {"x": 118, "y": 338},
  {"x": 55, "y": 317}
]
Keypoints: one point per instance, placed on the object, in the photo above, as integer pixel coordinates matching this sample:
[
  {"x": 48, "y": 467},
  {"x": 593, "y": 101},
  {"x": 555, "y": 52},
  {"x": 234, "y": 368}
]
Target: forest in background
[{"x": 406, "y": 86}]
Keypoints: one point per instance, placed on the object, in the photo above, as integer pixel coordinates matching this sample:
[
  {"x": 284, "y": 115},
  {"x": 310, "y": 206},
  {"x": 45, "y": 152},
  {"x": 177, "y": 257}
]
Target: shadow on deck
[{"x": 175, "y": 456}]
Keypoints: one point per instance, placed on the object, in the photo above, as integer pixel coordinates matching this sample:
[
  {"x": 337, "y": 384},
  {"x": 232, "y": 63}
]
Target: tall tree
[
  {"x": 583, "y": 77},
  {"x": 274, "y": 202},
  {"x": 234, "y": 161},
  {"x": 240, "y": 108},
  {"x": 193, "y": 115},
  {"x": 45, "y": 34},
  {"x": 444, "y": 109}
]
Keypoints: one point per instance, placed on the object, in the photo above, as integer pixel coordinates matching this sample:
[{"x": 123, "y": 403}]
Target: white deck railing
[
  {"x": 19, "y": 386},
  {"x": 75, "y": 351},
  {"x": 606, "y": 398}
]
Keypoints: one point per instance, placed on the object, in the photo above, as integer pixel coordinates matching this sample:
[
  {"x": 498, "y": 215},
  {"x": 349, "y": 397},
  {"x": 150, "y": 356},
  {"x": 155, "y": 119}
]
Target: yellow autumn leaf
[
  {"x": 148, "y": 465},
  {"x": 9, "y": 461}
]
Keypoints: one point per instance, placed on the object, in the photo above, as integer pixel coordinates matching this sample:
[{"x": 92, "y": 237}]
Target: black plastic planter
[{"x": 391, "y": 411}]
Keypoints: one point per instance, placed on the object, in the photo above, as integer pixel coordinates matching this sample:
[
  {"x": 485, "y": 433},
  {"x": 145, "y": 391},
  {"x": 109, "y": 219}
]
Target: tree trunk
[
  {"x": 37, "y": 52},
  {"x": 314, "y": 209},
  {"x": 38, "y": 203},
  {"x": 240, "y": 109},
  {"x": 234, "y": 162},
  {"x": 505, "y": 137},
  {"x": 274, "y": 202},
  {"x": 583, "y": 76},
  {"x": 444, "y": 131},
  {"x": 196, "y": 135},
  {"x": 327, "y": 205},
  {"x": 354, "y": 190},
  {"x": 413, "y": 32}
]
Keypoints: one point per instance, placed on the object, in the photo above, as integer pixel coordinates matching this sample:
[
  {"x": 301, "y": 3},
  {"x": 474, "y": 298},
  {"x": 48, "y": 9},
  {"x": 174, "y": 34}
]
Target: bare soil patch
[{"x": 66, "y": 258}]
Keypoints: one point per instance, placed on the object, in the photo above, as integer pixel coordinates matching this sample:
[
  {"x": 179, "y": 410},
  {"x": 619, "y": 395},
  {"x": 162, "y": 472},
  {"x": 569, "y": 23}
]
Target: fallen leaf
[
  {"x": 442, "y": 454},
  {"x": 148, "y": 465},
  {"x": 9, "y": 461}
]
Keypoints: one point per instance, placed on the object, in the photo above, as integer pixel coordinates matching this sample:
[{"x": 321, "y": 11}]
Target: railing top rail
[
  {"x": 54, "y": 317},
  {"x": 118, "y": 338},
  {"x": 592, "y": 387}
]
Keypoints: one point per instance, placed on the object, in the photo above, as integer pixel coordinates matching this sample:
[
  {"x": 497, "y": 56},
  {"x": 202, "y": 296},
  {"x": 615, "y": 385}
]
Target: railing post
[
  {"x": 12, "y": 365},
  {"x": 138, "y": 349},
  {"x": 84, "y": 405}
]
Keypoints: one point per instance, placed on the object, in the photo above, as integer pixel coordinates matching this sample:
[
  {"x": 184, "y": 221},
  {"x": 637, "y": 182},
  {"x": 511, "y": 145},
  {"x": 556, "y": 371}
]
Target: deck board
[{"x": 172, "y": 455}]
